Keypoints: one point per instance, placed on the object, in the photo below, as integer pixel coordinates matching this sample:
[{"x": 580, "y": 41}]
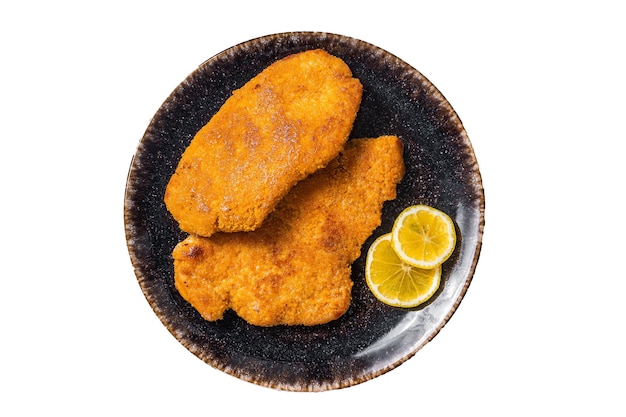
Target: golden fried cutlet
[
  {"x": 295, "y": 268},
  {"x": 285, "y": 123}
]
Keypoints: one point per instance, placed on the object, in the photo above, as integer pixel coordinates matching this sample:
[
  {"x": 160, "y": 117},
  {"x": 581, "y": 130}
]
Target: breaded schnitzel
[
  {"x": 284, "y": 124},
  {"x": 295, "y": 268}
]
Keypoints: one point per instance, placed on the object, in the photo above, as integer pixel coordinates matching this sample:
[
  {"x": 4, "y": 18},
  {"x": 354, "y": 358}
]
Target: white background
[{"x": 540, "y": 89}]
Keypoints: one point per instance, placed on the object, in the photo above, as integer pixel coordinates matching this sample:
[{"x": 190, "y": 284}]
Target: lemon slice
[
  {"x": 395, "y": 282},
  {"x": 423, "y": 236}
]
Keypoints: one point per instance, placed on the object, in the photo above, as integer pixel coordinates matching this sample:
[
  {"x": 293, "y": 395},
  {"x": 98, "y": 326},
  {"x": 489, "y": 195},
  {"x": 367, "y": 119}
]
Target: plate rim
[{"x": 447, "y": 108}]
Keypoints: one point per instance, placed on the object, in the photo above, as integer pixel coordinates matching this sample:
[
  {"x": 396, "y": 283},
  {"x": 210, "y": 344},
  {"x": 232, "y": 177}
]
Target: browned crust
[
  {"x": 296, "y": 268},
  {"x": 285, "y": 123}
]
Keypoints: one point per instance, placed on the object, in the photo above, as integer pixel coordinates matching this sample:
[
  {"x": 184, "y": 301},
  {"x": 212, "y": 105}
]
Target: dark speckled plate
[{"x": 371, "y": 338}]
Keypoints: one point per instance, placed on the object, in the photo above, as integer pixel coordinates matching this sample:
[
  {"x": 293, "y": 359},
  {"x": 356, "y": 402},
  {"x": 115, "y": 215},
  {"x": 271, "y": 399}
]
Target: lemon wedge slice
[
  {"x": 423, "y": 236},
  {"x": 393, "y": 281}
]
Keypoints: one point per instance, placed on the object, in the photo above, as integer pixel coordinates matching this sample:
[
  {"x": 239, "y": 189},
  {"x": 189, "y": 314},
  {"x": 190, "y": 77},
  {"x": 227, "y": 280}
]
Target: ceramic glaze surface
[{"x": 371, "y": 338}]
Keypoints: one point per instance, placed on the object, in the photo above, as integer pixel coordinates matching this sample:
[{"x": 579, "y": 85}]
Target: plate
[{"x": 371, "y": 338}]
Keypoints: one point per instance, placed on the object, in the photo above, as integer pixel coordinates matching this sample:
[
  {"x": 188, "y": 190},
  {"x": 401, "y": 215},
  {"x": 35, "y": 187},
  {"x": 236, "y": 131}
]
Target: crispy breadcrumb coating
[
  {"x": 284, "y": 124},
  {"x": 295, "y": 269}
]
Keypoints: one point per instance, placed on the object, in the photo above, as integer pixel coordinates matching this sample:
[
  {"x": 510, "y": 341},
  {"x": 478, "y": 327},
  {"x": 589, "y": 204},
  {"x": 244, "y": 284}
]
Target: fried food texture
[
  {"x": 296, "y": 268},
  {"x": 284, "y": 124}
]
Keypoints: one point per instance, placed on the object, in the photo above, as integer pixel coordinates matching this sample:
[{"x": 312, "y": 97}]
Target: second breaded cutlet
[
  {"x": 296, "y": 268},
  {"x": 284, "y": 124}
]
